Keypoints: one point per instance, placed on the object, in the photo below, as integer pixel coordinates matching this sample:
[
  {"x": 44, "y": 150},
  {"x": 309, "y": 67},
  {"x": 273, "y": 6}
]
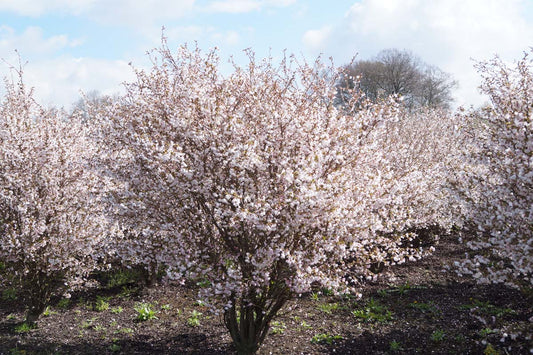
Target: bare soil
[{"x": 415, "y": 308}]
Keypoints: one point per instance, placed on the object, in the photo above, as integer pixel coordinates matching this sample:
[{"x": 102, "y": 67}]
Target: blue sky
[{"x": 73, "y": 45}]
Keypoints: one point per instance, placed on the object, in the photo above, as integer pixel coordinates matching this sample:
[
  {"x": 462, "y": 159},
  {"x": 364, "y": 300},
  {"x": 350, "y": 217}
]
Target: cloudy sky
[{"x": 72, "y": 45}]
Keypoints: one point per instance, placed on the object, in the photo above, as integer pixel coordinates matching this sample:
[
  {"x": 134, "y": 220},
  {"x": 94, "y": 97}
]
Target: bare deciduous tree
[{"x": 395, "y": 72}]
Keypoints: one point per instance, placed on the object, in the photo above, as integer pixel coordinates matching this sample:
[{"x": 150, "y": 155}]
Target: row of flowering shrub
[{"x": 259, "y": 183}]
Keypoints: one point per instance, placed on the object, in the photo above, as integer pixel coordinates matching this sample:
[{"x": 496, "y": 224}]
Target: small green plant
[
  {"x": 304, "y": 325},
  {"x": 460, "y": 338},
  {"x": 24, "y": 328},
  {"x": 124, "y": 331},
  {"x": 490, "y": 350},
  {"x": 325, "y": 338},
  {"x": 114, "y": 347},
  {"x": 403, "y": 289},
  {"x": 204, "y": 283},
  {"x": 194, "y": 319},
  {"x": 373, "y": 312},
  {"x": 437, "y": 336},
  {"x": 165, "y": 307},
  {"x": 328, "y": 307},
  {"x": 315, "y": 296},
  {"x": 326, "y": 292},
  {"x": 128, "y": 291},
  {"x": 117, "y": 310},
  {"x": 17, "y": 351},
  {"x": 395, "y": 346},
  {"x": 48, "y": 312},
  {"x": 9, "y": 294},
  {"x": 424, "y": 307},
  {"x": 144, "y": 312},
  {"x": 101, "y": 304},
  {"x": 486, "y": 308},
  {"x": 99, "y": 328},
  {"x": 486, "y": 332},
  {"x": 11, "y": 316},
  {"x": 63, "y": 303},
  {"x": 199, "y": 303},
  {"x": 277, "y": 327},
  {"x": 122, "y": 277},
  {"x": 382, "y": 293},
  {"x": 88, "y": 323}
]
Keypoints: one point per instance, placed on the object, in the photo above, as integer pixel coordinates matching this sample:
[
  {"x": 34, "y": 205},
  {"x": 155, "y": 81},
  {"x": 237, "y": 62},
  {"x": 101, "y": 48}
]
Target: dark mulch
[{"x": 415, "y": 308}]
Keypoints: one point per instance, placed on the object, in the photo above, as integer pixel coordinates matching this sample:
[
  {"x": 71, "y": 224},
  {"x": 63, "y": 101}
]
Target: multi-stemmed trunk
[
  {"x": 248, "y": 319},
  {"x": 38, "y": 288}
]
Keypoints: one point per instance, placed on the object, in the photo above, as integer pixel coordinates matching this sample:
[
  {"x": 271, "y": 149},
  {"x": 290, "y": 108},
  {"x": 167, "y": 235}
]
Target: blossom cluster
[
  {"x": 262, "y": 186},
  {"x": 496, "y": 176},
  {"x": 52, "y": 215},
  {"x": 261, "y": 170}
]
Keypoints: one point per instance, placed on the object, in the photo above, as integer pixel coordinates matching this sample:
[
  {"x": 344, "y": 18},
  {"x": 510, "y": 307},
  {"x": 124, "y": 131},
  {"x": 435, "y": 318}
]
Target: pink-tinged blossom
[
  {"x": 52, "y": 223},
  {"x": 496, "y": 179},
  {"x": 262, "y": 186}
]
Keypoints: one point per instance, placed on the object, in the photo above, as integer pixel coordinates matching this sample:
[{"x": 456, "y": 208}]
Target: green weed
[
  {"x": 24, "y": 328},
  {"x": 486, "y": 332},
  {"x": 395, "y": 346},
  {"x": 48, "y": 312},
  {"x": 328, "y": 307},
  {"x": 325, "y": 338},
  {"x": 304, "y": 325},
  {"x": 117, "y": 310},
  {"x": 424, "y": 307},
  {"x": 124, "y": 331},
  {"x": 490, "y": 350},
  {"x": 17, "y": 351},
  {"x": 437, "y": 336},
  {"x": 486, "y": 308},
  {"x": 277, "y": 327},
  {"x": 101, "y": 304},
  {"x": 144, "y": 312},
  {"x": 63, "y": 303},
  {"x": 194, "y": 319},
  {"x": 114, "y": 347},
  {"x": 9, "y": 294},
  {"x": 88, "y": 323},
  {"x": 373, "y": 312}
]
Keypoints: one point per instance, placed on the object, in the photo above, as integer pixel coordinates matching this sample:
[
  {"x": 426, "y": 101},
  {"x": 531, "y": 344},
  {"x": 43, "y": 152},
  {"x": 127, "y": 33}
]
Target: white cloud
[
  {"x": 234, "y": 6},
  {"x": 316, "y": 39},
  {"x": 59, "y": 81},
  {"x": 32, "y": 42},
  {"x": 139, "y": 12},
  {"x": 37, "y": 8},
  {"x": 131, "y": 12},
  {"x": 243, "y": 6},
  {"x": 446, "y": 33},
  {"x": 134, "y": 12}
]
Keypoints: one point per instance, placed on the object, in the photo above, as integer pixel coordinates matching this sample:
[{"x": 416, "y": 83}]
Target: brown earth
[{"x": 415, "y": 308}]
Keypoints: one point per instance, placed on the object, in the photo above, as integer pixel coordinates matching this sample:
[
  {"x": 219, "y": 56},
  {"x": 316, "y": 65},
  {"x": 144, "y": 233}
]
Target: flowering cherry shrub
[
  {"x": 497, "y": 176},
  {"x": 258, "y": 184},
  {"x": 51, "y": 214}
]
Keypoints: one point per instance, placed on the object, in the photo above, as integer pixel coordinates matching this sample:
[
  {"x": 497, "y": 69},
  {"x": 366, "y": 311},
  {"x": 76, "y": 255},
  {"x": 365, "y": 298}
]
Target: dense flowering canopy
[
  {"x": 259, "y": 177},
  {"x": 51, "y": 214},
  {"x": 497, "y": 176}
]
